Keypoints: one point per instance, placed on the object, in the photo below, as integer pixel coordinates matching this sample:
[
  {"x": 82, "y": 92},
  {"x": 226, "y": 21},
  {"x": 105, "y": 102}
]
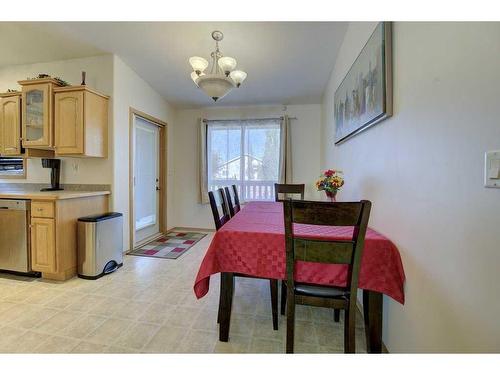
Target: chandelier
[{"x": 222, "y": 77}]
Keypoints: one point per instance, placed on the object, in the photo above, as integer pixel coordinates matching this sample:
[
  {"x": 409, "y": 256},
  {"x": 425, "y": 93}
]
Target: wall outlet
[{"x": 75, "y": 166}]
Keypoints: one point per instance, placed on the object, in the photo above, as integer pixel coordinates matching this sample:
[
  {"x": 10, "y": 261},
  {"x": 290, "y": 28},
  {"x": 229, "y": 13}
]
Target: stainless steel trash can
[{"x": 100, "y": 245}]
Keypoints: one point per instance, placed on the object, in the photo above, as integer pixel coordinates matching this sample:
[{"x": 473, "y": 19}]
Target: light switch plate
[{"x": 492, "y": 169}]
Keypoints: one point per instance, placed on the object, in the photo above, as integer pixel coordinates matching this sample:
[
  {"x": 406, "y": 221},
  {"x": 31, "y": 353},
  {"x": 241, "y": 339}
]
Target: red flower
[{"x": 329, "y": 173}]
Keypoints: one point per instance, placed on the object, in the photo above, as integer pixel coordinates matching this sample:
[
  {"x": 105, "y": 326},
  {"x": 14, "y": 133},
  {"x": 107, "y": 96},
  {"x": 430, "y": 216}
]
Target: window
[
  {"x": 12, "y": 167},
  {"x": 245, "y": 153}
]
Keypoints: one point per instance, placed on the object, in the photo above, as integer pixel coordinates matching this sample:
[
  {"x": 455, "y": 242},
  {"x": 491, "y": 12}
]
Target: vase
[{"x": 332, "y": 195}]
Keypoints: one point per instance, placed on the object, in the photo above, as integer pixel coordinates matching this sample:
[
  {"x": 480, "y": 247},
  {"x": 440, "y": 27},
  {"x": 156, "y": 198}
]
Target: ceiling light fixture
[{"x": 222, "y": 77}]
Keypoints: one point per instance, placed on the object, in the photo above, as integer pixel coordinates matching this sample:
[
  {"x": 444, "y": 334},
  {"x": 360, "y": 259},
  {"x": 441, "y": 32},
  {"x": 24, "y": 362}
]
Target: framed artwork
[{"x": 364, "y": 96}]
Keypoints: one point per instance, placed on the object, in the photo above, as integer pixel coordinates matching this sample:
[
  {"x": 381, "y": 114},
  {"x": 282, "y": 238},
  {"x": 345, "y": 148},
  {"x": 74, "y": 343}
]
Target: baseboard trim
[{"x": 384, "y": 349}]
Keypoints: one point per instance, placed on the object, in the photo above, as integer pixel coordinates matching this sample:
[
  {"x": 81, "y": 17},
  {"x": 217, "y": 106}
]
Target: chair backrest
[
  {"x": 219, "y": 221},
  {"x": 236, "y": 199},
  {"x": 288, "y": 189},
  {"x": 229, "y": 202},
  {"x": 355, "y": 214},
  {"x": 223, "y": 202}
]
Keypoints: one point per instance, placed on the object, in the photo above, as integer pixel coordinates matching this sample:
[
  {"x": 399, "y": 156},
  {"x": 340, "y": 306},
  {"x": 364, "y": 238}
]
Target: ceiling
[{"x": 286, "y": 62}]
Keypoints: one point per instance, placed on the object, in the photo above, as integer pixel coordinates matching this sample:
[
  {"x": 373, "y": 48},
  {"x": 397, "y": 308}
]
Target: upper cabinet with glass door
[{"x": 37, "y": 113}]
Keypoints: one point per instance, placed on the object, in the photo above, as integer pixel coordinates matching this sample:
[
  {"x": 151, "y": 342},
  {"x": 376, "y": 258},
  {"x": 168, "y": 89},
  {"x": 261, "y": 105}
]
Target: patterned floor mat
[{"x": 171, "y": 245}]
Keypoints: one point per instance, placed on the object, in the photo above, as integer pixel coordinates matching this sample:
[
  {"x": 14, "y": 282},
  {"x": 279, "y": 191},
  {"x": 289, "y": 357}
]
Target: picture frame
[{"x": 364, "y": 97}]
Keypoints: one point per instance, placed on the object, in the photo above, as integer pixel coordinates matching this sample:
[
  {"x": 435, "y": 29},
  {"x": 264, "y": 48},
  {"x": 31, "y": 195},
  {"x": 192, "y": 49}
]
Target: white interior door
[{"x": 146, "y": 179}]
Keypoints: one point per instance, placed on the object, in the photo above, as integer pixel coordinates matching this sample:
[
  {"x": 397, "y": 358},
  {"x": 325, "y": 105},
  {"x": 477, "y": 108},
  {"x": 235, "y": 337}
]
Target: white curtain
[
  {"x": 202, "y": 139},
  {"x": 285, "y": 175}
]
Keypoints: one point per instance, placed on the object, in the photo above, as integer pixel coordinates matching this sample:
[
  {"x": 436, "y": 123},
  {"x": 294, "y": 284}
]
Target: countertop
[{"x": 49, "y": 195}]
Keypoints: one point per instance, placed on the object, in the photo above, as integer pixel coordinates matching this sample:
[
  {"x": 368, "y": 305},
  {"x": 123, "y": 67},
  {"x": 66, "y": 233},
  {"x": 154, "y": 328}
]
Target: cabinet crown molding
[
  {"x": 38, "y": 81},
  {"x": 79, "y": 88},
  {"x": 10, "y": 94}
]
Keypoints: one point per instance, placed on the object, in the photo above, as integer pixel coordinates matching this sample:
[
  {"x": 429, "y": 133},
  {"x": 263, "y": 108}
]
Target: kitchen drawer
[{"x": 42, "y": 209}]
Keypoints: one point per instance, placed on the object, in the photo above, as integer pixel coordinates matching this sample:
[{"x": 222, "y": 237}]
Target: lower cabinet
[
  {"x": 54, "y": 233},
  {"x": 43, "y": 245}
]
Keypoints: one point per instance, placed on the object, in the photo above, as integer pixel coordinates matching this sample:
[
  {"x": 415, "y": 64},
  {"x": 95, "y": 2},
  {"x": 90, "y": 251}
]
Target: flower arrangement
[{"x": 330, "y": 181}]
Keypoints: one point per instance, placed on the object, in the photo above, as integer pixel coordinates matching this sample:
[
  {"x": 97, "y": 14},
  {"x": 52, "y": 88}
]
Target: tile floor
[{"x": 148, "y": 306}]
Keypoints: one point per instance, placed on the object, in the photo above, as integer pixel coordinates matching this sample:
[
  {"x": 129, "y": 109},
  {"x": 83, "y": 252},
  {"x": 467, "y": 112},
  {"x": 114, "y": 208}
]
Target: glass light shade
[
  {"x": 195, "y": 76},
  {"x": 199, "y": 64},
  {"x": 215, "y": 86},
  {"x": 238, "y": 76},
  {"x": 227, "y": 64}
]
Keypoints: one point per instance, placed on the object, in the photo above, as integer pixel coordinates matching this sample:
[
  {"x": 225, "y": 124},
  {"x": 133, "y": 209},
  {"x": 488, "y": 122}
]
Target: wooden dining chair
[
  {"x": 287, "y": 189},
  {"x": 219, "y": 222},
  {"x": 230, "y": 206},
  {"x": 346, "y": 252},
  {"x": 223, "y": 202},
  {"x": 236, "y": 199}
]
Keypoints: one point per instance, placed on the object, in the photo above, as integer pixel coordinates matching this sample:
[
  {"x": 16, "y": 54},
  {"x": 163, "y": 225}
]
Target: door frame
[{"x": 163, "y": 128}]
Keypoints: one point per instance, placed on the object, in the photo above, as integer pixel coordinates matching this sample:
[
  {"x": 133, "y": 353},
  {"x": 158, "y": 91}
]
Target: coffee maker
[{"x": 55, "y": 165}]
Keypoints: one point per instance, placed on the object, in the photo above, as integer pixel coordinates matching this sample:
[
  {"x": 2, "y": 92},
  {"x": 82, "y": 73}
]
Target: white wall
[
  {"x": 130, "y": 90},
  {"x": 100, "y": 77},
  {"x": 423, "y": 171},
  {"x": 305, "y": 153}
]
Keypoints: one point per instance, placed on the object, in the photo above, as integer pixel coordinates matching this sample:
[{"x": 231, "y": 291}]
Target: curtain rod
[{"x": 251, "y": 119}]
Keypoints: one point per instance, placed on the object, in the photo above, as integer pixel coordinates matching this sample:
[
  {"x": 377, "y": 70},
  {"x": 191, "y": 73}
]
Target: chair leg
[
  {"x": 283, "y": 297},
  {"x": 273, "y": 285},
  {"x": 219, "y": 312},
  {"x": 290, "y": 321},
  {"x": 336, "y": 315},
  {"x": 349, "y": 330}
]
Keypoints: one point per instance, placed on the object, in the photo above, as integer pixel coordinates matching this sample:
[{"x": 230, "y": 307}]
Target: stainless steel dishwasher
[{"x": 14, "y": 235}]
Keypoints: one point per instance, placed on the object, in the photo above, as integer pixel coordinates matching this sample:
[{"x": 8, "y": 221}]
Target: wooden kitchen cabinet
[
  {"x": 81, "y": 122},
  {"x": 54, "y": 231},
  {"x": 43, "y": 245},
  {"x": 10, "y": 124},
  {"x": 37, "y": 113},
  {"x": 42, "y": 209}
]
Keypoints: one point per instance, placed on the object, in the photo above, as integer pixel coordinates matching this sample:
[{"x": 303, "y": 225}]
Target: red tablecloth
[{"x": 253, "y": 243}]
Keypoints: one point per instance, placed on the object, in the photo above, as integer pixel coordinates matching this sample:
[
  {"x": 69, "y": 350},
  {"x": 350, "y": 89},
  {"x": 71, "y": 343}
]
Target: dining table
[{"x": 252, "y": 243}]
